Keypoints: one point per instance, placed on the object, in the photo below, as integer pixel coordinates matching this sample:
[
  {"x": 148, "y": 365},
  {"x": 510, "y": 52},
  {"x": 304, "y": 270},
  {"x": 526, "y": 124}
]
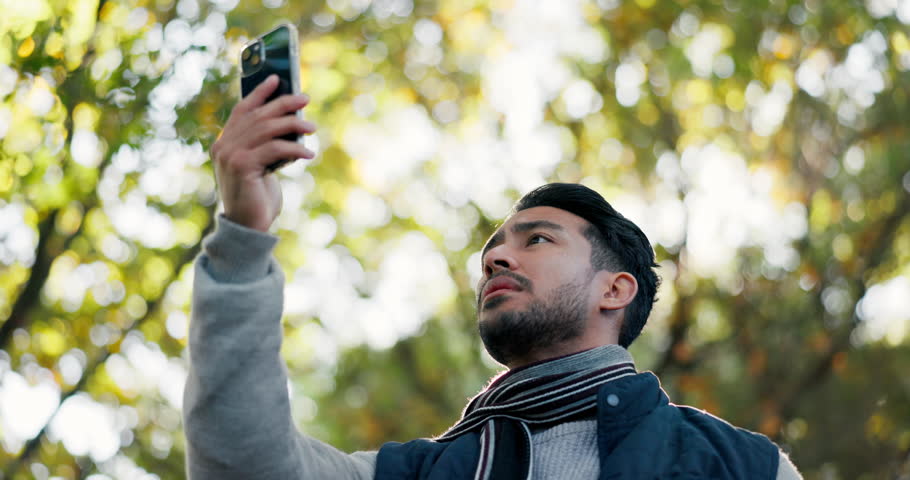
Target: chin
[
  {"x": 486, "y": 316},
  {"x": 496, "y": 303},
  {"x": 496, "y": 315}
]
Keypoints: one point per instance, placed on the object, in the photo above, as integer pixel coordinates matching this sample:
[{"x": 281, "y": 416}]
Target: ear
[{"x": 619, "y": 289}]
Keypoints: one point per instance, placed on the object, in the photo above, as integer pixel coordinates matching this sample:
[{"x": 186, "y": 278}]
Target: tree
[{"x": 760, "y": 145}]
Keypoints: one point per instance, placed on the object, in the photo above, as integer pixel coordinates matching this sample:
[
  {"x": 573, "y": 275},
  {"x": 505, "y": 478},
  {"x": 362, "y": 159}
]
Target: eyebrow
[{"x": 500, "y": 236}]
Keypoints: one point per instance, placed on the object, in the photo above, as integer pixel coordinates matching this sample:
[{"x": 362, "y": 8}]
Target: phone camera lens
[
  {"x": 246, "y": 54},
  {"x": 255, "y": 59}
]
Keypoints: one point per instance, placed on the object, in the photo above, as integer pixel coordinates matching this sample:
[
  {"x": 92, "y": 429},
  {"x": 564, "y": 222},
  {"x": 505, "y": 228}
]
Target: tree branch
[
  {"x": 679, "y": 326},
  {"x": 36, "y": 278},
  {"x": 152, "y": 309},
  {"x": 816, "y": 374}
]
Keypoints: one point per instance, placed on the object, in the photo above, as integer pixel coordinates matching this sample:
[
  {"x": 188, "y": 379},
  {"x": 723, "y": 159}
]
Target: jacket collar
[{"x": 629, "y": 399}]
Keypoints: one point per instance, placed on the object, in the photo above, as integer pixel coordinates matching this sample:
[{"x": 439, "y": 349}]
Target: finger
[
  {"x": 276, "y": 150},
  {"x": 284, "y": 104},
  {"x": 277, "y": 127},
  {"x": 259, "y": 94},
  {"x": 255, "y": 134}
]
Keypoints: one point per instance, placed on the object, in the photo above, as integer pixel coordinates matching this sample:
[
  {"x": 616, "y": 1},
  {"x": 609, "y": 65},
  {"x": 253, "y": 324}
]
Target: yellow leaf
[
  {"x": 53, "y": 46},
  {"x": 23, "y": 165},
  {"x": 85, "y": 116},
  {"x": 81, "y": 23},
  {"x": 648, "y": 113},
  {"x": 842, "y": 247},
  {"x": 900, "y": 43},
  {"x": 70, "y": 218},
  {"x": 21, "y": 17},
  {"x": 6, "y": 177},
  {"x": 26, "y": 47},
  {"x": 323, "y": 83},
  {"x": 320, "y": 52},
  {"x": 780, "y": 72},
  {"x": 698, "y": 91},
  {"x": 51, "y": 342},
  {"x": 784, "y": 46},
  {"x": 735, "y": 100}
]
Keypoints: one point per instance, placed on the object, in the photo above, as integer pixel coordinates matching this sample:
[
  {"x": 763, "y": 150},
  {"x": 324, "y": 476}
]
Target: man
[{"x": 567, "y": 284}]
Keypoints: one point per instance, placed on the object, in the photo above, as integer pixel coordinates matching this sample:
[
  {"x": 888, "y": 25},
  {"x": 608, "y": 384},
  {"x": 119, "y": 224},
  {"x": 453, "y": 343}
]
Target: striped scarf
[{"x": 540, "y": 394}]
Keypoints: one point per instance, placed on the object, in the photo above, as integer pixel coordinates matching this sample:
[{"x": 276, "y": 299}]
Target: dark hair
[{"x": 617, "y": 244}]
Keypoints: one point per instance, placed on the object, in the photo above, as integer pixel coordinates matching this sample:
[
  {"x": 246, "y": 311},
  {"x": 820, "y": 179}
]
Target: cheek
[
  {"x": 565, "y": 265},
  {"x": 554, "y": 273},
  {"x": 560, "y": 274}
]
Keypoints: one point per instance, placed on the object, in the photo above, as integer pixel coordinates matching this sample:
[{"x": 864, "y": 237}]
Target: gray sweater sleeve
[
  {"x": 786, "y": 470},
  {"x": 237, "y": 413}
]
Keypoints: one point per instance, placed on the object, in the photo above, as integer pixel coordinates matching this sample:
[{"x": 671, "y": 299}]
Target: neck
[{"x": 602, "y": 328}]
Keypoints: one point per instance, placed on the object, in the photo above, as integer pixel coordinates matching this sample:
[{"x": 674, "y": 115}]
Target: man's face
[{"x": 536, "y": 288}]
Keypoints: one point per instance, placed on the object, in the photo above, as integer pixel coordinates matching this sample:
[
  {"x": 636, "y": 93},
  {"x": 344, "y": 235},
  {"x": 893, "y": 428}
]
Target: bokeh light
[{"x": 760, "y": 148}]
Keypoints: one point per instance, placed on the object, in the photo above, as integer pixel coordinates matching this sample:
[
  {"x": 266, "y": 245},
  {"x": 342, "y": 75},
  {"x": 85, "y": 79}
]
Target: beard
[{"x": 512, "y": 335}]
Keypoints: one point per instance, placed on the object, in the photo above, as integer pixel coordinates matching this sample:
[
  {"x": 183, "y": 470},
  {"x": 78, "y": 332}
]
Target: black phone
[{"x": 275, "y": 52}]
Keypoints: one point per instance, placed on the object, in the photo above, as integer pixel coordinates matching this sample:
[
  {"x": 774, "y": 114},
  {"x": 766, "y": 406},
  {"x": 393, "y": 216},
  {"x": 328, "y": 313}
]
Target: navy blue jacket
[{"x": 642, "y": 436}]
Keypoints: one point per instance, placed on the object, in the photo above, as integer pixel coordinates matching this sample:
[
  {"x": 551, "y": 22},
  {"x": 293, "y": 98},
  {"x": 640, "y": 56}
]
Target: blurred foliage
[{"x": 773, "y": 134}]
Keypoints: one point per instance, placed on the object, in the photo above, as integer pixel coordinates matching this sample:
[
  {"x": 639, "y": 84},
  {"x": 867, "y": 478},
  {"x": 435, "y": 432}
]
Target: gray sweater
[{"x": 237, "y": 414}]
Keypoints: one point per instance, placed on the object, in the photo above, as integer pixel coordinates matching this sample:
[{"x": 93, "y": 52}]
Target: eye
[{"x": 535, "y": 237}]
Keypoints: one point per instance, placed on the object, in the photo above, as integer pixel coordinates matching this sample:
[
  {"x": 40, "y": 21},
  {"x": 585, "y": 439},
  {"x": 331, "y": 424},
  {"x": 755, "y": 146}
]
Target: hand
[{"x": 247, "y": 146}]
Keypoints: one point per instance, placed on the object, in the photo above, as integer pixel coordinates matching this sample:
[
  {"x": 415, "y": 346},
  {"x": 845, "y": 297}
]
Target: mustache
[{"x": 522, "y": 282}]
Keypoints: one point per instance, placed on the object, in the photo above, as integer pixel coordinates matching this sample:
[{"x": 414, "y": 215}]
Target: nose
[{"x": 498, "y": 258}]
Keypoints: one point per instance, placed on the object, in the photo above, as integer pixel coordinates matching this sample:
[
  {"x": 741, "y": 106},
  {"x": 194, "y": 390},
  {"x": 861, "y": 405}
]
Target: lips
[{"x": 498, "y": 284}]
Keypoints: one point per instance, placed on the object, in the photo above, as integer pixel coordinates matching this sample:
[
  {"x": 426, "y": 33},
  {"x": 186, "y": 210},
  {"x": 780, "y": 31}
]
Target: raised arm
[{"x": 237, "y": 412}]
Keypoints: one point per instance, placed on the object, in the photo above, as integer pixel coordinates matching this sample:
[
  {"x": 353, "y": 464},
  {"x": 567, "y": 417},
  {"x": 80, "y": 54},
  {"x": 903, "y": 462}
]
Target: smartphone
[{"x": 275, "y": 52}]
